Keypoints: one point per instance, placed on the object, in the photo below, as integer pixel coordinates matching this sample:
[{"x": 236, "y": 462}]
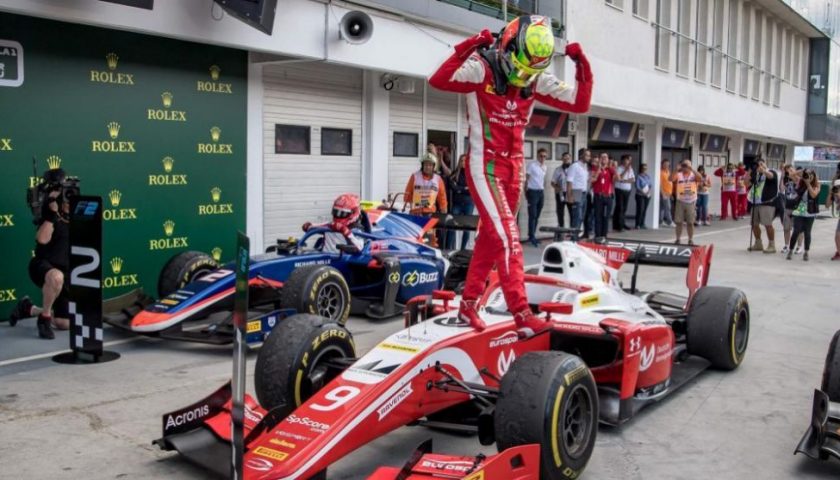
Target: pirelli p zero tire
[
  {"x": 317, "y": 290},
  {"x": 831, "y": 372},
  {"x": 549, "y": 398},
  {"x": 182, "y": 269},
  {"x": 718, "y": 326},
  {"x": 291, "y": 365}
]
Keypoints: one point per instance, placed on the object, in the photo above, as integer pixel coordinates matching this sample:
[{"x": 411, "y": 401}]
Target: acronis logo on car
[
  {"x": 414, "y": 278},
  {"x": 186, "y": 417}
]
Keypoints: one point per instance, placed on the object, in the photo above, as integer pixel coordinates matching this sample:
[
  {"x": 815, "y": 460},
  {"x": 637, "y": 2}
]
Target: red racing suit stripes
[{"x": 494, "y": 159}]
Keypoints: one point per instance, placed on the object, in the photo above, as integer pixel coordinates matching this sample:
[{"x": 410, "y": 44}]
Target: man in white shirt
[
  {"x": 577, "y": 184},
  {"x": 624, "y": 181},
  {"x": 535, "y": 193}
]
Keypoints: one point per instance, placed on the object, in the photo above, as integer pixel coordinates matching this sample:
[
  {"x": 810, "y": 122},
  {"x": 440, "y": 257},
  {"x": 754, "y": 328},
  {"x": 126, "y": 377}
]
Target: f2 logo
[{"x": 76, "y": 275}]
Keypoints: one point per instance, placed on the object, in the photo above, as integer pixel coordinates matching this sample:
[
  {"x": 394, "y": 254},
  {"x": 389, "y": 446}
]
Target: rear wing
[{"x": 447, "y": 221}]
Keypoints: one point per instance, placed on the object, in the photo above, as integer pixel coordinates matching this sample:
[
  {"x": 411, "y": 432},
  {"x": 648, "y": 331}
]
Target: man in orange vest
[{"x": 425, "y": 191}]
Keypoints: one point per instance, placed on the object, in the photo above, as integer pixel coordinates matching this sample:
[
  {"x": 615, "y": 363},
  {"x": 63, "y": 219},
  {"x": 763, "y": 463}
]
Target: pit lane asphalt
[{"x": 97, "y": 422}]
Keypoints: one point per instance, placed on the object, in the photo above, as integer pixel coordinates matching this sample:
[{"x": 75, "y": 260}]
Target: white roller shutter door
[
  {"x": 406, "y": 116},
  {"x": 301, "y": 188}
]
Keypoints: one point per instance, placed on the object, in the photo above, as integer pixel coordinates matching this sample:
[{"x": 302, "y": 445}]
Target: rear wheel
[
  {"x": 718, "y": 326},
  {"x": 293, "y": 363},
  {"x": 831, "y": 372},
  {"x": 549, "y": 398},
  {"x": 317, "y": 290},
  {"x": 182, "y": 269}
]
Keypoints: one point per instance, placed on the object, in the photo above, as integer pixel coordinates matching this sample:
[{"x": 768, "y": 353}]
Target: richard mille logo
[
  {"x": 215, "y": 208},
  {"x": 168, "y": 242},
  {"x": 111, "y": 75},
  {"x": 116, "y": 213},
  {"x": 168, "y": 178},
  {"x": 5, "y": 144},
  {"x": 165, "y": 113},
  {"x": 215, "y": 147},
  {"x": 214, "y": 85},
  {"x": 113, "y": 145},
  {"x": 119, "y": 278}
]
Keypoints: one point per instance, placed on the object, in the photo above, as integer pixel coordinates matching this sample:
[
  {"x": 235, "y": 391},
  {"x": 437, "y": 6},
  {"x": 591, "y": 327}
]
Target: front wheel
[
  {"x": 549, "y": 398},
  {"x": 182, "y": 269},
  {"x": 317, "y": 290},
  {"x": 718, "y": 326},
  {"x": 831, "y": 372}
]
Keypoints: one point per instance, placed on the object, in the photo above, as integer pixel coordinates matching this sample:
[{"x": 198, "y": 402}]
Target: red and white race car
[{"x": 608, "y": 353}]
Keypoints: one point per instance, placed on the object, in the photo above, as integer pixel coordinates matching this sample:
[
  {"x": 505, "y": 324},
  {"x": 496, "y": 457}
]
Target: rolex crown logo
[
  {"x": 167, "y": 99},
  {"x": 54, "y": 161},
  {"x": 116, "y": 265},
  {"x": 214, "y": 72},
  {"x": 217, "y": 254},
  {"x": 168, "y": 228},
  {"x": 114, "y": 130},
  {"x": 168, "y": 162},
  {"x": 216, "y": 194},
  {"x": 215, "y": 134},
  {"x": 115, "y": 196},
  {"x": 112, "y": 60}
]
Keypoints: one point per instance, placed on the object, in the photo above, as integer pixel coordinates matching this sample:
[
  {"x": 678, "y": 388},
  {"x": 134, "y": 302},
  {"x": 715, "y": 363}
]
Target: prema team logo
[
  {"x": 214, "y": 85},
  {"x": 113, "y": 145},
  {"x": 115, "y": 197},
  {"x": 215, "y": 148},
  {"x": 165, "y": 113},
  {"x": 169, "y": 242},
  {"x": 119, "y": 278},
  {"x": 215, "y": 208},
  {"x": 168, "y": 178},
  {"x": 111, "y": 75}
]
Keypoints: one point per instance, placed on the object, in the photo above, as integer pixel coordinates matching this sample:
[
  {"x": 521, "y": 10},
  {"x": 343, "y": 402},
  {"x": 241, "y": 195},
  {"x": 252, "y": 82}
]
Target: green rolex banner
[{"x": 156, "y": 127}]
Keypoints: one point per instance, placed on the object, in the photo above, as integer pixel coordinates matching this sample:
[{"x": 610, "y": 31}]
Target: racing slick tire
[
  {"x": 318, "y": 290},
  {"x": 831, "y": 372},
  {"x": 182, "y": 269},
  {"x": 549, "y": 398},
  {"x": 291, "y": 365},
  {"x": 718, "y": 326}
]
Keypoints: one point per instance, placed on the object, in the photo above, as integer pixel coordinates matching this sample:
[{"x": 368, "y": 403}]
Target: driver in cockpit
[{"x": 346, "y": 215}]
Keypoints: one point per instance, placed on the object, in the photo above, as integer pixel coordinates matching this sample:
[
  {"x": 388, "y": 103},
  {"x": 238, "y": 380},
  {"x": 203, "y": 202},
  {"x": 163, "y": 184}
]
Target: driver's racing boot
[
  {"x": 468, "y": 313},
  {"x": 530, "y": 324}
]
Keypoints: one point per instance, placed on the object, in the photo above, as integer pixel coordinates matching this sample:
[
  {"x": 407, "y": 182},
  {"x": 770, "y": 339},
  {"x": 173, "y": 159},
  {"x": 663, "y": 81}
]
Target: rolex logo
[
  {"x": 54, "y": 161},
  {"x": 168, "y": 178},
  {"x": 114, "y": 130},
  {"x": 168, "y": 228},
  {"x": 5, "y": 145},
  {"x": 216, "y": 147},
  {"x": 112, "y": 60},
  {"x": 215, "y": 208},
  {"x": 165, "y": 113},
  {"x": 214, "y": 85},
  {"x": 169, "y": 241},
  {"x": 115, "y": 197},
  {"x": 217, "y": 254},
  {"x": 167, "y": 99},
  {"x": 112, "y": 145},
  {"x": 116, "y": 265}
]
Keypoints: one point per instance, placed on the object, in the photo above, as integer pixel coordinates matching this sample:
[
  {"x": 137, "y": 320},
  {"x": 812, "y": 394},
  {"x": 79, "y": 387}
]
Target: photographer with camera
[
  {"x": 49, "y": 266},
  {"x": 763, "y": 187},
  {"x": 806, "y": 210}
]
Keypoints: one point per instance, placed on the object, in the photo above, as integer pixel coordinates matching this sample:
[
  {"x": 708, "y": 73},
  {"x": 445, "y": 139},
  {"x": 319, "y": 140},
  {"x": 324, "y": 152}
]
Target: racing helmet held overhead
[
  {"x": 525, "y": 48},
  {"x": 346, "y": 209}
]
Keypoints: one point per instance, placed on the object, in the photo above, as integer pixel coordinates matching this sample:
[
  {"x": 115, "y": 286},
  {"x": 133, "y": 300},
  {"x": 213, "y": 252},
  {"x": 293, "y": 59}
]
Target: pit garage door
[{"x": 300, "y": 187}]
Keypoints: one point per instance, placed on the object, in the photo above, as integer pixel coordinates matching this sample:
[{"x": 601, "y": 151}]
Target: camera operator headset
[{"x": 48, "y": 267}]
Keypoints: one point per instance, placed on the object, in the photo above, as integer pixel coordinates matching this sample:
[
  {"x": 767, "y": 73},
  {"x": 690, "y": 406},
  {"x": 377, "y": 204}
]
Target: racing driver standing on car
[{"x": 502, "y": 79}]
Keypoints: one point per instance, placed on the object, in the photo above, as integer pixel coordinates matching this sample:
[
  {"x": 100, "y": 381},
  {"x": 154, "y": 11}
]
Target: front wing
[{"x": 823, "y": 436}]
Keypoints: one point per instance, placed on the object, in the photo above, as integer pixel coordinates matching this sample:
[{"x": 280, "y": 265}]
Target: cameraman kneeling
[{"x": 48, "y": 267}]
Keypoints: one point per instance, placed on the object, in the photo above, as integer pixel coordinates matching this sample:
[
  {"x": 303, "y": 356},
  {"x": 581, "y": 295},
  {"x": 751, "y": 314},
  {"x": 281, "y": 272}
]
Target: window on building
[
  {"x": 746, "y": 69},
  {"x": 767, "y": 64},
  {"x": 405, "y": 144},
  {"x": 777, "y": 65},
  {"x": 732, "y": 46},
  {"x": 788, "y": 44},
  {"x": 683, "y": 36},
  {"x": 717, "y": 43},
  {"x": 291, "y": 139},
  {"x": 663, "y": 34},
  {"x": 336, "y": 141},
  {"x": 619, "y": 4},
  {"x": 803, "y": 69},
  {"x": 797, "y": 50},
  {"x": 701, "y": 54},
  {"x": 641, "y": 8},
  {"x": 758, "y": 41}
]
